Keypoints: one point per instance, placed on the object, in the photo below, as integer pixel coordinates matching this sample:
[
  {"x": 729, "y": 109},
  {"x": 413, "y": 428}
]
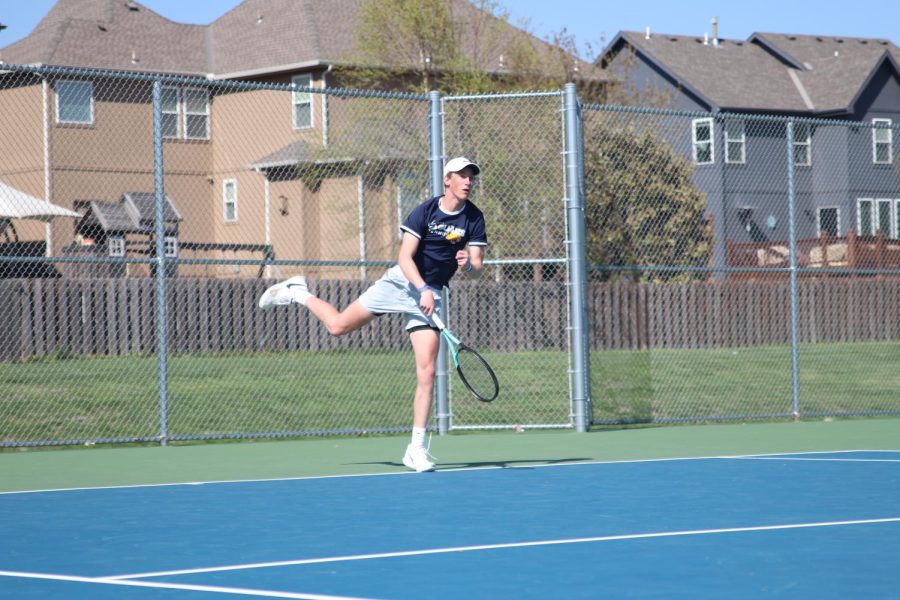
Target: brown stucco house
[{"x": 250, "y": 172}]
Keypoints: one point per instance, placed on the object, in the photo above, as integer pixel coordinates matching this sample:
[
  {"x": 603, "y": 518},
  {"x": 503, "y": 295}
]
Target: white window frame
[
  {"x": 182, "y": 113},
  {"x": 837, "y": 219},
  {"x": 299, "y": 97},
  {"x": 870, "y": 229},
  {"x": 895, "y": 221},
  {"x": 739, "y": 141},
  {"x": 176, "y": 113},
  {"x": 883, "y": 207},
  {"x": 878, "y": 207},
  {"x": 696, "y": 144},
  {"x": 115, "y": 245},
  {"x": 889, "y": 142},
  {"x": 194, "y": 113},
  {"x": 232, "y": 202},
  {"x": 170, "y": 246},
  {"x": 74, "y": 83},
  {"x": 806, "y": 142}
]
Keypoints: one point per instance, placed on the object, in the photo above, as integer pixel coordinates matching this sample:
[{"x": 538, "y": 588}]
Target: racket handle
[{"x": 437, "y": 320}]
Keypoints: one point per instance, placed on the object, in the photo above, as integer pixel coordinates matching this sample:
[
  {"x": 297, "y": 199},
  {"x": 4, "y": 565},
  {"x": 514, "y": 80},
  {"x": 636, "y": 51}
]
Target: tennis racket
[{"x": 474, "y": 371}]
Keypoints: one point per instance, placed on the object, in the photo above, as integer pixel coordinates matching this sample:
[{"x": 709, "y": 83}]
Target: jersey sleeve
[
  {"x": 478, "y": 235},
  {"x": 415, "y": 222}
]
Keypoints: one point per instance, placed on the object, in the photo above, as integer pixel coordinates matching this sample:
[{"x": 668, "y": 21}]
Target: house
[
  {"x": 845, "y": 176},
  {"x": 246, "y": 167}
]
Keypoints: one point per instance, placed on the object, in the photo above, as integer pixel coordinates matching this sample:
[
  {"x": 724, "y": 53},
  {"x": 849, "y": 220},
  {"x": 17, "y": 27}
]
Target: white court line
[
  {"x": 426, "y": 552},
  {"x": 175, "y": 586},
  {"x": 798, "y": 458},
  {"x": 439, "y": 471}
]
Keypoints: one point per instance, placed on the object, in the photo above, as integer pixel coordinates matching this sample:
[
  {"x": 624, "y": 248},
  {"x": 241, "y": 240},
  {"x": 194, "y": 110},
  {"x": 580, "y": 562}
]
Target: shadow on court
[{"x": 443, "y": 466}]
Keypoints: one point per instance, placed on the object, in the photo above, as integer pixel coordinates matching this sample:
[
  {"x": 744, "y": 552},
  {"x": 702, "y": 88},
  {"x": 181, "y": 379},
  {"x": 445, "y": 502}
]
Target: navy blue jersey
[{"x": 441, "y": 236}]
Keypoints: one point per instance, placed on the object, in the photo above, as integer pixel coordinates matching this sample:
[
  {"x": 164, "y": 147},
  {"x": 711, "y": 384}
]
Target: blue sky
[{"x": 588, "y": 20}]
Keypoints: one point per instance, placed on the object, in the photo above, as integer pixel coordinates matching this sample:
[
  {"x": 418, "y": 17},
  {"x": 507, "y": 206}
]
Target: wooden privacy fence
[
  {"x": 113, "y": 317},
  {"x": 851, "y": 252},
  {"x": 742, "y": 313}
]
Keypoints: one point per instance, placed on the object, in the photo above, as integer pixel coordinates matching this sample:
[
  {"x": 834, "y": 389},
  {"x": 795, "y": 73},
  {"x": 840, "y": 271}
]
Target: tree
[
  {"x": 454, "y": 46},
  {"x": 641, "y": 205}
]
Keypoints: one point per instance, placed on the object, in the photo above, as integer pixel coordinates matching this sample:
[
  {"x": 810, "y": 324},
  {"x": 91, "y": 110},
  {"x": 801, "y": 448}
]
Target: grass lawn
[{"x": 65, "y": 398}]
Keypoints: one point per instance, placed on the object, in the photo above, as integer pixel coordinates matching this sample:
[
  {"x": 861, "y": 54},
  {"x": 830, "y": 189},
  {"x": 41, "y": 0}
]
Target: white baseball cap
[{"x": 455, "y": 165}]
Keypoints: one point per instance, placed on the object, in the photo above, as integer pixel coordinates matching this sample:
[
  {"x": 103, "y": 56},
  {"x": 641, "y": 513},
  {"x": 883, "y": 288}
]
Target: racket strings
[{"x": 477, "y": 375}]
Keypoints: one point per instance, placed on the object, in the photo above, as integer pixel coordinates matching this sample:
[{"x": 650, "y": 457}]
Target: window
[
  {"x": 735, "y": 142},
  {"x": 302, "y": 102},
  {"x": 185, "y": 113},
  {"x": 897, "y": 218},
  {"x": 802, "y": 144},
  {"x": 864, "y": 214},
  {"x": 828, "y": 222},
  {"x": 876, "y": 215},
  {"x": 74, "y": 102},
  {"x": 116, "y": 246},
  {"x": 883, "y": 217},
  {"x": 196, "y": 114},
  {"x": 229, "y": 199},
  {"x": 702, "y": 137},
  {"x": 882, "y": 142},
  {"x": 170, "y": 246},
  {"x": 170, "y": 112}
]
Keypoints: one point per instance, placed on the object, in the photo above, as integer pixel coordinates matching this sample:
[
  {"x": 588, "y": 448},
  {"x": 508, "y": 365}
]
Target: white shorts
[{"x": 393, "y": 293}]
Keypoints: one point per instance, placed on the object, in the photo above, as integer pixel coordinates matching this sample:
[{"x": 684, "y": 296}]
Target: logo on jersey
[{"x": 448, "y": 232}]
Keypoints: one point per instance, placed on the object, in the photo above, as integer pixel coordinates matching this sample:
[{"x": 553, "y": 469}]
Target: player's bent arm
[
  {"x": 476, "y": 258},
  {"x": 408, "y": 246}
]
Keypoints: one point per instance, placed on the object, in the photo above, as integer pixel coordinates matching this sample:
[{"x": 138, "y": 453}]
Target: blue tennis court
[{"x": 809, "y": 525}]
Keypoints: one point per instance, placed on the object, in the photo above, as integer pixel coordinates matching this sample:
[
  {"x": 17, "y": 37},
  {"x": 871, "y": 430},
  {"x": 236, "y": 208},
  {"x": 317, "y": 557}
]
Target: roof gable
[
  {"x": 256, "y": 37},
  {"x": 111, "y": 34},
  {"x": 134, "y": 213},
  {"x": 771, "y": 72}
]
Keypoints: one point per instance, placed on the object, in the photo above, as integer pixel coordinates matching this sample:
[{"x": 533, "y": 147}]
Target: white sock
[
  {"x": 300, "y": 296},
  {"x": 418, "y": 437}
]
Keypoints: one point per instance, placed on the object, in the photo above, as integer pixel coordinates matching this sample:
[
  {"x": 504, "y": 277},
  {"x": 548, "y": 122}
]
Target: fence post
[
  {"x": 580, "y": 388},
  {"x": 792, "y": 266},
  {"x": 160, "y": 261},
  {"x": 436, "y": 170}
]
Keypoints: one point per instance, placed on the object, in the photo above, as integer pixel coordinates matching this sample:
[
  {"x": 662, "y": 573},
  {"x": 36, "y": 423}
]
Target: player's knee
[
  {"x": 425, "y": 373},
  {"x": 336, "y": 329}
]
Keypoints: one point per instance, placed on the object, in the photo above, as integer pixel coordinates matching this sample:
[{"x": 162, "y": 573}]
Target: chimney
[
  {"x": 715, "y": 31},
  {"x": 647, "y": 33}
]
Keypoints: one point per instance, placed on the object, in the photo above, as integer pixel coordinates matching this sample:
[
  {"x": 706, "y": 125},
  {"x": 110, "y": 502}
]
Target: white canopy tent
[{"x": 16, "y": 204}]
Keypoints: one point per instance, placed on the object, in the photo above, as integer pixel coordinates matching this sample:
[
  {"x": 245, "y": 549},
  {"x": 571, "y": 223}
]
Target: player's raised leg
[
  {"x": 296, "y": 291},
  {"x": 339, "y": 322}
]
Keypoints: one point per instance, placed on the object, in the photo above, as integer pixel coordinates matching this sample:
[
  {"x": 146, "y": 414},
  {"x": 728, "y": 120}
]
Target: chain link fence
[
  {"x": 745, "y": 266},
  {"x": 740, "y": 266}
]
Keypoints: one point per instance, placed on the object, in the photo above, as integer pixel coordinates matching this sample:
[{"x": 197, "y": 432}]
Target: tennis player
[{"x": 441, "y": 236}]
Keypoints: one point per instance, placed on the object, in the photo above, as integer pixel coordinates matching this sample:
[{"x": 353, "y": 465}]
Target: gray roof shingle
[
  {"x": 255, "y": 37},
  {"x": 769, "y": 71},
  {"x": 135, "y": 212}
]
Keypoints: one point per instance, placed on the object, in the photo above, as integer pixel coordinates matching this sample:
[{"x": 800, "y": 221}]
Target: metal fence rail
[{"x": 644, "y": 265}]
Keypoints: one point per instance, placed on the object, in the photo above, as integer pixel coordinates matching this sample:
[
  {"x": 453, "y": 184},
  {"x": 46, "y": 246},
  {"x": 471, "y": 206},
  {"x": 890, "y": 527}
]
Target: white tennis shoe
[
  {"x": 416, "y": 458},
  {"x": 288, "y": 291}
]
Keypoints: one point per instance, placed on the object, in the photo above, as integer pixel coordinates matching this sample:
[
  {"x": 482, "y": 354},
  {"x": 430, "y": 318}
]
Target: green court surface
[{"x": 41, "y": 469}]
